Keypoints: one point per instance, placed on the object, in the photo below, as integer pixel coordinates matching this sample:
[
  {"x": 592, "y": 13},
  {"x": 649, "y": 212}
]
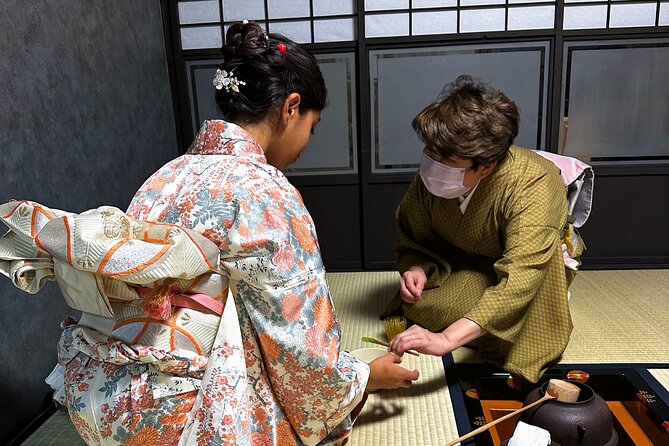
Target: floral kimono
[{"x": 189, "y": 347}]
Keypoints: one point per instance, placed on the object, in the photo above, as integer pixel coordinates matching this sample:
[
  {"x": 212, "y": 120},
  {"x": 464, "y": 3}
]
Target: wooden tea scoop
[
  {"x": 557, "y": 389},
  {"x": 385, "y": 344}
]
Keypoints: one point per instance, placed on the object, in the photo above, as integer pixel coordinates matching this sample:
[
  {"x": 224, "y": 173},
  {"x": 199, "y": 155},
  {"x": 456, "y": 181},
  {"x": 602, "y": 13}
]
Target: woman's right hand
[
  {"x": 412, "y": 283},
  {"x": 385, "y": 373}
]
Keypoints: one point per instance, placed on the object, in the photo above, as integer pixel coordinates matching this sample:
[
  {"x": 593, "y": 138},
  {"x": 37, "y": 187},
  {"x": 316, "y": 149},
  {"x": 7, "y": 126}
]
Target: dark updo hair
[
  {"x": 469, "y": 120},
  {"x": 270, "y": 75}
]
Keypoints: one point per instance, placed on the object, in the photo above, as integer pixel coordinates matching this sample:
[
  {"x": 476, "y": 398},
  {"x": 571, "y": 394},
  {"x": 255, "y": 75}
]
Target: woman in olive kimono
[
  {"x": 479, "y": 252},
  {"x": 207, "y": 316}
]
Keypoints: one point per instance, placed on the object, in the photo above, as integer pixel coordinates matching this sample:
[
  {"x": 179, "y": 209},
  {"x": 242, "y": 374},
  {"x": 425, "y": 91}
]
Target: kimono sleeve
[
  {"x": 416, "y": 236},
  {"x": 532, "y": 260},
  {"x": 275, "y": 266}
]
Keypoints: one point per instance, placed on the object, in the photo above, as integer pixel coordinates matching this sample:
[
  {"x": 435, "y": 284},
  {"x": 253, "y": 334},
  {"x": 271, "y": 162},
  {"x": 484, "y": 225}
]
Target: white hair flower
[{"x": 224, "y": 79}]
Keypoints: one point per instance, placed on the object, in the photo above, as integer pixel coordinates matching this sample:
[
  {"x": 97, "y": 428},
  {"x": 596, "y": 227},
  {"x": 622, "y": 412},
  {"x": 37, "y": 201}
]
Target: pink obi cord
[{"x": 199, "y": 302}]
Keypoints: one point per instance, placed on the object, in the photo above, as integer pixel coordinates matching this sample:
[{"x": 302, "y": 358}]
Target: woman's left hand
[{"x": 421, "y": 340}]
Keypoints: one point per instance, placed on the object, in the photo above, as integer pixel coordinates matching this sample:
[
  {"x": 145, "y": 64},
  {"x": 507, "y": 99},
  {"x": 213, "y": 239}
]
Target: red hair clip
[{"x": 282, "y": 48}]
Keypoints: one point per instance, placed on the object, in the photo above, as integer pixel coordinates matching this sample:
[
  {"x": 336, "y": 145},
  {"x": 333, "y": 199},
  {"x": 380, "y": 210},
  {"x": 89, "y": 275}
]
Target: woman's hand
[
  {"x": 412, "y": 283},
  {"x": 421, "y": 340},
  {"x": 459, "y": 333},
  {"x": 384, "y": 373}
]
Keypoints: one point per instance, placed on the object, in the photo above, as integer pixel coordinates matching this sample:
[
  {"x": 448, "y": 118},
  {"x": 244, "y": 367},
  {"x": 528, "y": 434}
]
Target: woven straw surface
[
  {"x": 619, "y": 316},
  {"x": 421, "y": 415},
  {"x": 662, "y": 376},
  {"x": 57, "y": 430}
]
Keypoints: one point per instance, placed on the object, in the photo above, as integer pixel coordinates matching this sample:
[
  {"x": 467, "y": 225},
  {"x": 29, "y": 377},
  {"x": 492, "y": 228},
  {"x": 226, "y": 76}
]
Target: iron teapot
[{"x": 586, "y": 422}]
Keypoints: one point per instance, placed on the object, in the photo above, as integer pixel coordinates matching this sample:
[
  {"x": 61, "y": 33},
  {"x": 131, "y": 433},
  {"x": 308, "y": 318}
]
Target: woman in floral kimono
[
  {"x": 230, "y": 338},
  {"x": 480, "y": 249},
  {"x": 294, "y": 384},
  {"x": 229, "y": 186}
]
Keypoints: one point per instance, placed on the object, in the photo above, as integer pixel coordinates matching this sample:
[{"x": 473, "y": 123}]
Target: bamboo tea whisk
[{"x": 394, "y": 325}]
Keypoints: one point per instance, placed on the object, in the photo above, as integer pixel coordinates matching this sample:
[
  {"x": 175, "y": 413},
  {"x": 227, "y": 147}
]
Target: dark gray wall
[{"x": 85, "y": 116}]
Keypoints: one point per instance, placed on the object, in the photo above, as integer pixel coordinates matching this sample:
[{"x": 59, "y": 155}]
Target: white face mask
[{"x": 442, "y": 180}]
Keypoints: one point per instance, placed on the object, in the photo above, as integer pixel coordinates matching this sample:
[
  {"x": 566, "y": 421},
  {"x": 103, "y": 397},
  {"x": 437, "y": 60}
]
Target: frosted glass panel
[
  {"x": 280, "y": 9},
  {"x": 333, "y": 7},
  {"x": 664, "y": 14},
  {"x": 201, "y": 37},
  {"x": 299, "y": 32},
  {"x": 475, "y": 20},
  {"x": 576, "y": 17},
  {"x": 532, "y": 17},
  {"x": 437, "y": 22},
  {"x": 517, "y": 70},
  {"x": 332, "y": 149},
  {"x": 234, "y": 10},
  {"x": 417, "y": 4},
  {"x": 203, "y": 105},
  {"x": 639, "y": 14},
  {"x": 618, "y": 99},
  {"x": 384, "y": 25},
  {"x": 334, "y": 30},
  {"x": 481, "y": 2},
  {"x": 383, "y": 5},
  {"x": 199, "y": 12}
]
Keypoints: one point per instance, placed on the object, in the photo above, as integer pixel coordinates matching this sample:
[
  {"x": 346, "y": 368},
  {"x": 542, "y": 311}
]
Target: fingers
[
  {"x": 412, "y": 338},
  {"x": 413, "y": 329},
  {"x": 404, "y": 345},
  {"x": 418, "y": 279},
  {"x": 412, "y": 283},
  {"x": 392, "y": 346},
  {"x": 409, "y": 377},
  {"x": 405, "y": 293},
  {"x": 389, "y": 374},
  {"x": 389, "y": 358},
  {"x": 411, "y": 287}
]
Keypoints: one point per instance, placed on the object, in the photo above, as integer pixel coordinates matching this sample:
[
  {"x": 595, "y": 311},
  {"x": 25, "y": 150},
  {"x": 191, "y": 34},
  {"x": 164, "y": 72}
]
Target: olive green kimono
[{"x": 499, "y": 264}]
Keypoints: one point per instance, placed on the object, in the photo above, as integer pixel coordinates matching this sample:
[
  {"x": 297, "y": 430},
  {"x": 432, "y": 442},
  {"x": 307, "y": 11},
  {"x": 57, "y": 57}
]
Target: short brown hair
[{"x": 469, "y": 120}]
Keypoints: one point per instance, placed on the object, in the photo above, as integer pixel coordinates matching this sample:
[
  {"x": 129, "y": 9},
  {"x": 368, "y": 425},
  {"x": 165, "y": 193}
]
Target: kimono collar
[{"x": 217, "y": 137}]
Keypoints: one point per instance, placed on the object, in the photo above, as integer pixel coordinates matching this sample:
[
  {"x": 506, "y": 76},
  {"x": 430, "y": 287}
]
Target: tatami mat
[
  {"x": 662, "y": 376},
  {"x": 57, "y": 430},
  {"x": 619, "y": 316},
  {"x": 421, "y": 415}
]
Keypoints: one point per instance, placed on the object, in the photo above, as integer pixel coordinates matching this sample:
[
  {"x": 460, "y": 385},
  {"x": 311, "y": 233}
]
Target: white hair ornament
[{"x": 224, "y": 79}]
